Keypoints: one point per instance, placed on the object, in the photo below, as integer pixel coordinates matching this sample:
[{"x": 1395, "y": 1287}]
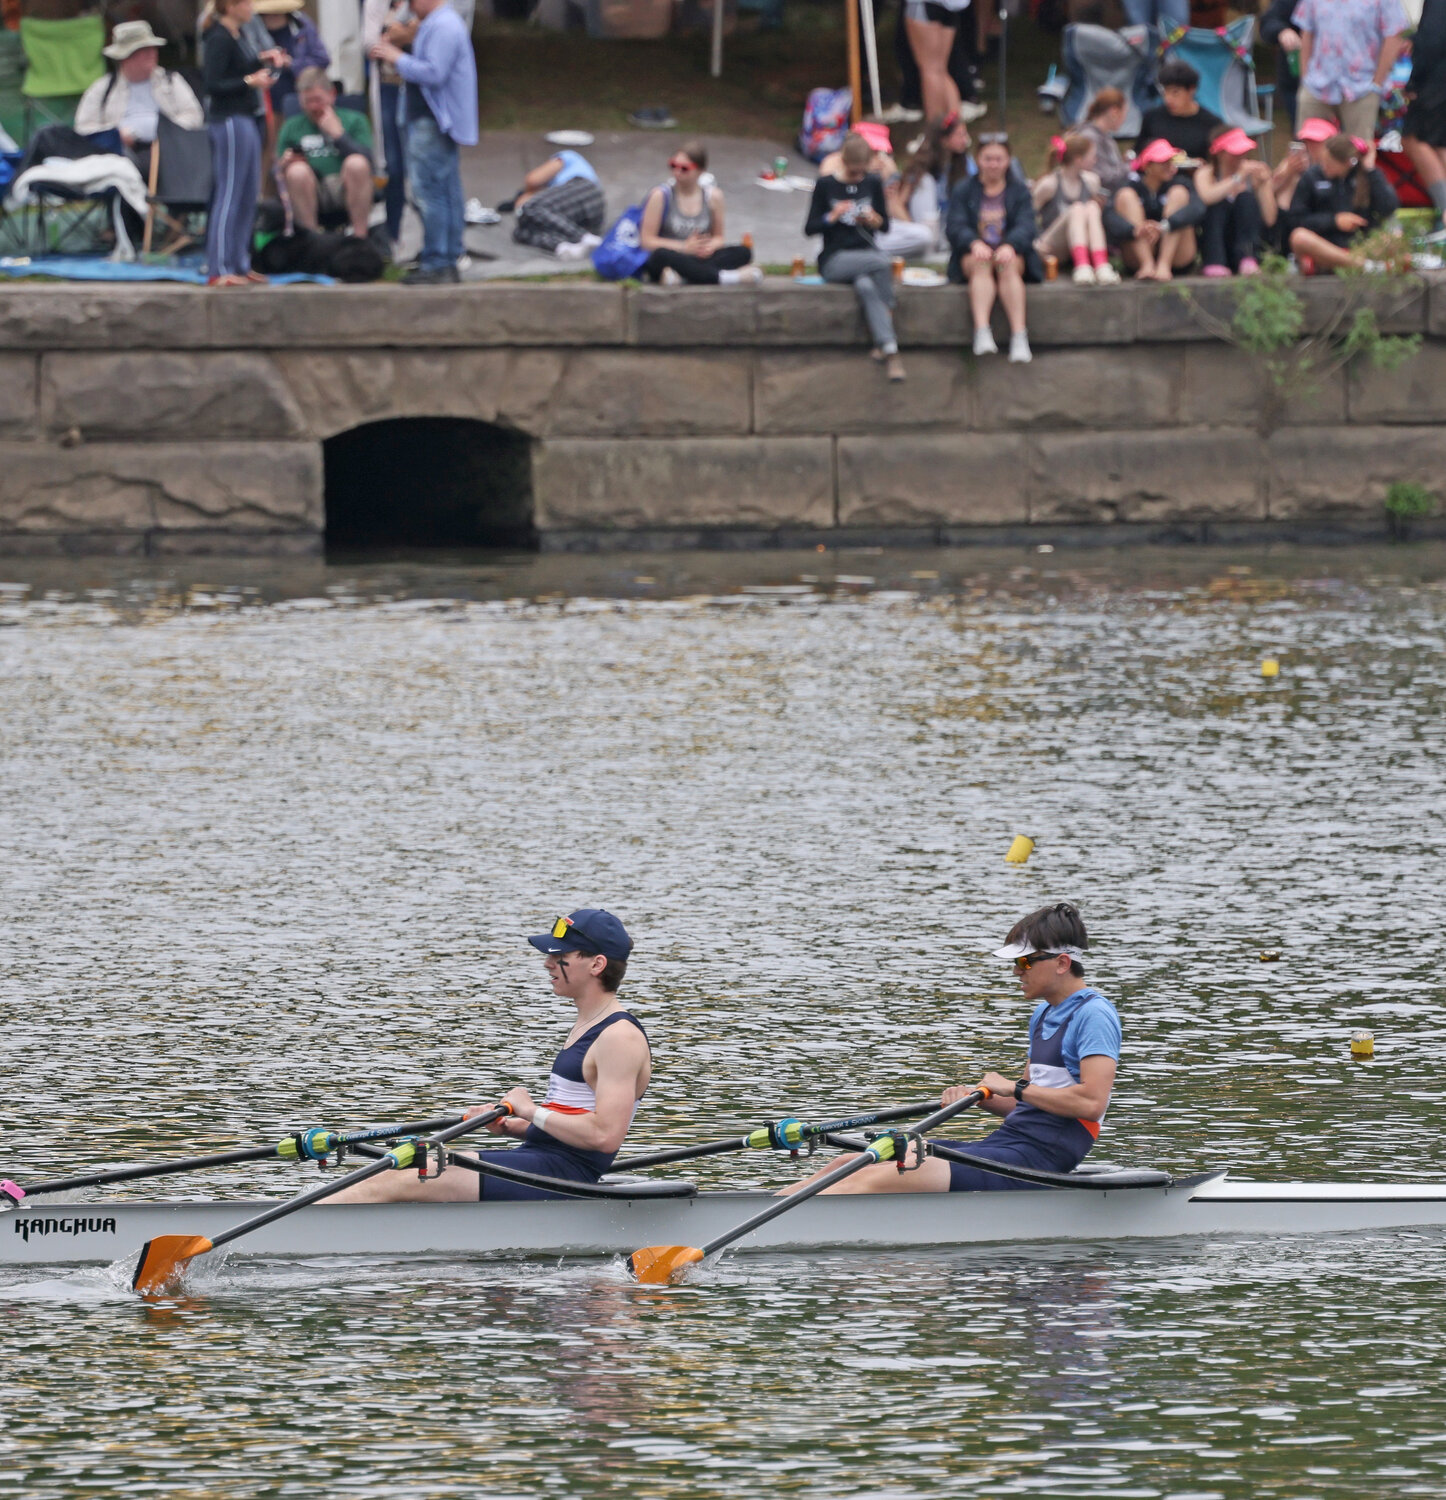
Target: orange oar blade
[
  {"x": 162, "y": 1259},
  {"x": 662, "y": 1263}
]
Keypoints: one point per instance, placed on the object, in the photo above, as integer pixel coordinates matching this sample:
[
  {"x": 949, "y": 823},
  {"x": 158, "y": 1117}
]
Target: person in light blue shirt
[
  {"x": 439, "y": 110},
  {"x": 1053, "y": 1112},
  {"x": 561, "y": 207}
]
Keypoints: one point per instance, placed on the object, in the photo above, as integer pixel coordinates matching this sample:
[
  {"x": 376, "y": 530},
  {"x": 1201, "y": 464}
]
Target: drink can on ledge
[
  {"x": 746, "y": 239},
  {"x": 780, "y": 166},
  {"x": 898, "y": 267},
  {"x": 1051, "y": 267},
  {"x": 797, "y": 266}
]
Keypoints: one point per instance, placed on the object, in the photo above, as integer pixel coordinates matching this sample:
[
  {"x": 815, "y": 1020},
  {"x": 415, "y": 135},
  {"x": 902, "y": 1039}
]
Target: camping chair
[
  {"x": 178, "y": 187},
  {"x": 1226, "y": 65},
  {"x": 57, "y": 218},
  {"x": 1095, "y": 58},
  {"x": 63, "y": 59},
  {"x": 336, "y": 218},
  {"x": 12, "y": 74}
]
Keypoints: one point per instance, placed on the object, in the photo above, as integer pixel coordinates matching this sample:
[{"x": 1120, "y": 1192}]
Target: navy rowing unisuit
[
  {"x": 1084, "y": 1025},
  {"x": 568, "y": 1093}
]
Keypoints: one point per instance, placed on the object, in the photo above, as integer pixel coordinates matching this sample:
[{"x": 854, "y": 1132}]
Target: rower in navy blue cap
[{"x": 597, "y": 1079}]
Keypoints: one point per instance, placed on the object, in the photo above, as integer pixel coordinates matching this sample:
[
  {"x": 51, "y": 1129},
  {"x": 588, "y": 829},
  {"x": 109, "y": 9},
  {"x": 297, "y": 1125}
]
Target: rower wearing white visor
[
  {"x": 1052, "y": 1113},
  {"x": 593, "y": 1090}
]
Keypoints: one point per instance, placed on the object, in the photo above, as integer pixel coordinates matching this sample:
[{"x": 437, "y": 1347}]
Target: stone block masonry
[{"x": 157, "y": 419}]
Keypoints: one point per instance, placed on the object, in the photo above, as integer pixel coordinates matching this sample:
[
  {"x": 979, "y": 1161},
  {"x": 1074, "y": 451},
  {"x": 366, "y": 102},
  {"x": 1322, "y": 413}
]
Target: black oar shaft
[
  {"x": 742, "y": 1142},
  {"x": 839, "y": 1173},
  {"x": 223, "y": 1159},
  {"x": 328, "y": 1189}
]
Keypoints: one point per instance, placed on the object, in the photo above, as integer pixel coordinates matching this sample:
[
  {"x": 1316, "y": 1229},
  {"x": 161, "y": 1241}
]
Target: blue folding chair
[{"x": 1226, "y": 65}]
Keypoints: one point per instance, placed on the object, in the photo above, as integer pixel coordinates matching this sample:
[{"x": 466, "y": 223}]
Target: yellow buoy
[
  {"x": 1270, "y": 956},
  {"x": 1270, "y": 668},
  {"x": 1020, "y": 849},
  {"x": 1363, "y": 1044}
]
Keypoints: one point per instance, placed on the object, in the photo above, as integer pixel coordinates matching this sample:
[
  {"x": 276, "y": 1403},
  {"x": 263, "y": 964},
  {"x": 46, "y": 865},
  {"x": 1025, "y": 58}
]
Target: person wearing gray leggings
[{"x": 849, "y": 211}]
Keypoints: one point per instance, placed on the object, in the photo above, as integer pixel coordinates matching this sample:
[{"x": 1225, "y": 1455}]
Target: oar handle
[
  {"x": 397, "y": 1157},
  {"x": 880, "y": 1150}
]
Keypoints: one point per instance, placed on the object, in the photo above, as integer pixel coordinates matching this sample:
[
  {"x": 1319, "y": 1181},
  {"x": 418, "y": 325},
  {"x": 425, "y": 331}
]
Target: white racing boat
[{"x": 1115, "y": 1205}]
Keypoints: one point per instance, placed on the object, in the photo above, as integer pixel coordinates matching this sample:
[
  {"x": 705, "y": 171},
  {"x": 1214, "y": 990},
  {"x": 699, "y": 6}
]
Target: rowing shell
[{"x": 1210, "y": 1204}]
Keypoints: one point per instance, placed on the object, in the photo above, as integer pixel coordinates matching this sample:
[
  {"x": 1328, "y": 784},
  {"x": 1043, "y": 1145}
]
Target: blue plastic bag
[{"x": 621, "y": 255}]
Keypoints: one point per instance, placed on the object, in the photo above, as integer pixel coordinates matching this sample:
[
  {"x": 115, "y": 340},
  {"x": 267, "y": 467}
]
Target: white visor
[{"x": 1023, "y": 950}]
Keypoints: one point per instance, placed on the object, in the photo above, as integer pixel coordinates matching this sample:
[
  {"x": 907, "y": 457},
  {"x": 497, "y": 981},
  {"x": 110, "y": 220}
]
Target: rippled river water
[{"x": 272, "y": 839}]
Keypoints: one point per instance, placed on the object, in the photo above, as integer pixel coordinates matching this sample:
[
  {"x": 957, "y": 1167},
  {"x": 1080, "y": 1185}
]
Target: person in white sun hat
[
  {"x": 1052, "y": 1113},
  {"x": 137, "y": 93}
]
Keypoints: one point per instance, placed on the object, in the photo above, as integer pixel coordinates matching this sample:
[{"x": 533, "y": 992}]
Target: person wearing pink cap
[
  {"x": 1154, "y": 218},
  {"x": 1239, "y": 204},
  {"x": 1347, "y": 51},
  {"x": 1306, "y": 150},
  {"x": 1335, "y": 202}
]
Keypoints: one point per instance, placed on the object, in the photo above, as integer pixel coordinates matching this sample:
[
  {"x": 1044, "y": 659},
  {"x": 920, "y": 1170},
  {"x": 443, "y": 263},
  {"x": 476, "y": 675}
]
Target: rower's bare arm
[
  {"x": 1085, "y": 1100},
  {"x": 620, "y": 1056}
]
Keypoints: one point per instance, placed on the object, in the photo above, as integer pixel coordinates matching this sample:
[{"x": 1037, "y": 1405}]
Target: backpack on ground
[
  {"x": 621, "y": 253},
  {"x": 825, "y": 122}
]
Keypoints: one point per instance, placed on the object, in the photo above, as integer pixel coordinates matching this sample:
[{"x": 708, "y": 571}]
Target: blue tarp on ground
[{"x": 98, "y": 268}]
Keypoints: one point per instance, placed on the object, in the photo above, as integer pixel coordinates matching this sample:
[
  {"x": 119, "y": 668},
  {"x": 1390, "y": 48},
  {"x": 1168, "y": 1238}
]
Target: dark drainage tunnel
[{"x": 428, "y": 482}]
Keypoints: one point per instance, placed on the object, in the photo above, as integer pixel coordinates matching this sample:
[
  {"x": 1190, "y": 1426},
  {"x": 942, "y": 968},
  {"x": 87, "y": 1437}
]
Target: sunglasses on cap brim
[{"x": 563, "y": 928}]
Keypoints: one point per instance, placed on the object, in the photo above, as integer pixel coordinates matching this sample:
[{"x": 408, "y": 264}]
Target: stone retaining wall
[{"x": 163, "y": 419}]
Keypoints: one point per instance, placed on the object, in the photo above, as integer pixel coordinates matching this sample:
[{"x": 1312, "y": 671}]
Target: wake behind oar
[
  {"x": 657, "y": 1264},
  {"x": 163, "y": 1260}
]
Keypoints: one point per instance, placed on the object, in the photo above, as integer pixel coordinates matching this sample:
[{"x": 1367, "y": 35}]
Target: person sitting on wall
[
  {"x": 905, "y": 236},
  {"x": 561, "y": 207},
  {"x": 941, "y": 162},
  {"x": 1181, "y": 119},
  {"x": 1067, "y": 200},
  {"x": 1239, "y": 198},
  {"x": 849, "y": 211},
  {"x": 325, "y": 157},
  {"x": 132, "y": 99},
  {"x": 1346, "y": 196},
  {"x": 1154, "y": 217},
  {"x": 991, "y": 229},
  {"x": 682, "y": 228},
  {"x": 1104, "y": 117},
  {"x": 1306, "y": 150}
]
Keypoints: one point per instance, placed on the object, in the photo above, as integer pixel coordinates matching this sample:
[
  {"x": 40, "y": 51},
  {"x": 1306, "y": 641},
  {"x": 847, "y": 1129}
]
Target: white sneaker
[
  {"x": 670, "y": 277},
  {"x": 1106, "y": 275},
  {"x": 1084, "y": 275},
  {"x": 1019, "y": 350},
  {"x": 969, "y": 112},
  {"x": 590, "y": 242},
  {"x": 896, "y": 114},
  {"x": 576, "y": 250},
  {"x": 984, "y": 342}
]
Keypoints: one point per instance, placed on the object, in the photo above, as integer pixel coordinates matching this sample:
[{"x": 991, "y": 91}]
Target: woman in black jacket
[
  {"x": 1333, "y": 203},
  {"x": 991, "y": 230},
  {"x": 232, "y": 73}
]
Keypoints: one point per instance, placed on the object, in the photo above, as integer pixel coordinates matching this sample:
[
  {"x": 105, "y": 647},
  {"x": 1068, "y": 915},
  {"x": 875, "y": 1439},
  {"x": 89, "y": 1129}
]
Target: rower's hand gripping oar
[
  {"x": 789, "y": 1134},
  {"x": 302, "y": 1145},
  {"x": 162, "y": 1258},
  {"x": 661, "y": 1263}
]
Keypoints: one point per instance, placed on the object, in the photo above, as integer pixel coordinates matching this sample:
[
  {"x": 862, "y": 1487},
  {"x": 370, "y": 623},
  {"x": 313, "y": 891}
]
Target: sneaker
[
  {"x": 476, "y": 212},
  {"x": 1106, "y": 275},
  {"x": 894, "y": 367},
  {"x": 970, "y": 111},
  {"x": 1216, "y": 272},
  {"x": 591, "y": 242},
  {"x": 573, "y": 250},
  {"x": 1249, "y": 266},
  {"x": 984, "y": 342},
  {"x": 1436, "y": 237},
  {"x": 1019, "y": 351},
  {"x": 431, "y": 276},
  {"x": 745, "y": 276},
  {"x": 896, "y": 114},
  {"x": 670, "y": 277},
  {"x": 1084, "y": 275}
]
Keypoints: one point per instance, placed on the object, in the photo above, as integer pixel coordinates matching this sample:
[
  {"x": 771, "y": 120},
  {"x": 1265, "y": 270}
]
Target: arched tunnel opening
[{"x": 428, "y": 482}]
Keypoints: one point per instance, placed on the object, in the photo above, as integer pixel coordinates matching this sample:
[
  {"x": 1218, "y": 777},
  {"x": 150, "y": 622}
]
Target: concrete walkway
[{"x": 629, "y": 163}]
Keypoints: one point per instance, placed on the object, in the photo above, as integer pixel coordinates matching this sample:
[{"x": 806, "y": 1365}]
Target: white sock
[
  {"x": 728, "y": 278},
  {"x": 984, "y": 342},
  {"x": 1019, "y": 350}
]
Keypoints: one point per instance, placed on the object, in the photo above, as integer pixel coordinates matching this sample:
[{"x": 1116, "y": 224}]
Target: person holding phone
[{"x": 232, "y": 73}]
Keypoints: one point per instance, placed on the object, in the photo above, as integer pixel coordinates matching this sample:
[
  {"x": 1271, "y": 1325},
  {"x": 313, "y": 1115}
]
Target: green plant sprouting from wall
[{"x": 1270, "y": 318}]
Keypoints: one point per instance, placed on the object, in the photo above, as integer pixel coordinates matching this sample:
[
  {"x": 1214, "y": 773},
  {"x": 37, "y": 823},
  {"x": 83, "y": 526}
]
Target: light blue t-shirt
[
  {"x": 573, "y": 165},
  {"x": 1096, "y": 1032}
]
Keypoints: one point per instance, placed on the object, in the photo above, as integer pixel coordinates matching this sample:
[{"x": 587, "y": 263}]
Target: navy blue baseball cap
[{"x": 590, "y": 930}]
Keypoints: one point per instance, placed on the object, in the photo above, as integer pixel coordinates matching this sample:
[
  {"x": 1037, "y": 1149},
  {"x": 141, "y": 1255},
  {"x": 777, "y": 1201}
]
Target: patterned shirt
[{"x": 1346, "y": 37}]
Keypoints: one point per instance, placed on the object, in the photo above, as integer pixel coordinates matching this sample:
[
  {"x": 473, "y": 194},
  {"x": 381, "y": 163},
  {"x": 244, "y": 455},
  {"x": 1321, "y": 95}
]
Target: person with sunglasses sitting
[
  {"x": 597, "y": 1081},
  {"x": 1052, "y": 1113},
  {"x": 682, "y": 228}
]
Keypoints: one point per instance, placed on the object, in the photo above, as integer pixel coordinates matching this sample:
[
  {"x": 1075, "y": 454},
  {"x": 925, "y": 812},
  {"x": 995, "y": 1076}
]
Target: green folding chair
[{"x": 63, "y": 59}]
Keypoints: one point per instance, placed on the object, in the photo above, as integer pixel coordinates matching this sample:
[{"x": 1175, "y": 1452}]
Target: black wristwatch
[{"x": 1019, "y": 1089}]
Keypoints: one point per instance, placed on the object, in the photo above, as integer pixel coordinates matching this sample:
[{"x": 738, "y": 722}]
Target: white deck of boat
[{"x": 100, "y": 1231}]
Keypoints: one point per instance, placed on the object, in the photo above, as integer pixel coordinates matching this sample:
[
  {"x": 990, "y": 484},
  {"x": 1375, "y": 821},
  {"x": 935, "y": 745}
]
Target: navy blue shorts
[
  {"x": 1014, "y": 1152},
  {"x": 529, "y": 1159}
]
